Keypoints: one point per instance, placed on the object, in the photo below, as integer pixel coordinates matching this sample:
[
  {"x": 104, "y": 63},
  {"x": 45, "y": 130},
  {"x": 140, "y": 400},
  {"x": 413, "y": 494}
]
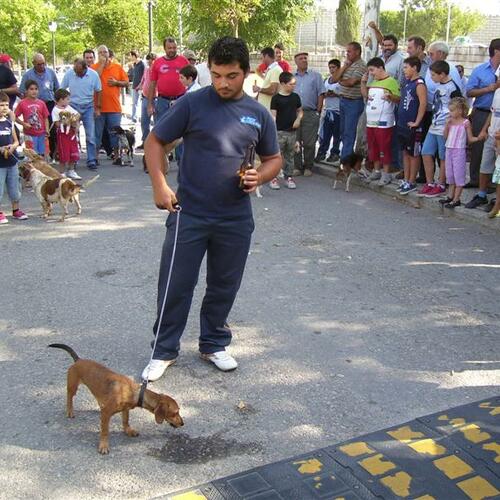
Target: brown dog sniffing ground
[{"x": 115, "y": 393}]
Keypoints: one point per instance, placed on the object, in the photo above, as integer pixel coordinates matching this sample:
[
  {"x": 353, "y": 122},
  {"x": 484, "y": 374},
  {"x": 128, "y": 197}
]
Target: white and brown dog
[
  {"x": 38, "y": 162},
  {"x": 49, "y": 191}
]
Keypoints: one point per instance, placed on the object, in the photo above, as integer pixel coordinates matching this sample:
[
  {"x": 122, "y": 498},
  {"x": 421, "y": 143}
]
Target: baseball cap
[{"x": 5, "y": 58}]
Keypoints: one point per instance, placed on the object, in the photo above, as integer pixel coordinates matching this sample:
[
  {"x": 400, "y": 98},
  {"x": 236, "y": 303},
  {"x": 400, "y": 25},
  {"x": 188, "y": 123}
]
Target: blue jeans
[
  {"x": 350, "y": 111},
  {"x": 329, "y": 128},
  {"x": 88, "y": 120},
  {"x": 145, "y": 118},
  {"x": 38, "y": 142},
  {"x": 135, "y": 100},
  {"x": 9, "y": 177},
  {"x": 161, "y": 107},
  {"x": 108, "y": 120},
  {"x": 226, "y": 243}
]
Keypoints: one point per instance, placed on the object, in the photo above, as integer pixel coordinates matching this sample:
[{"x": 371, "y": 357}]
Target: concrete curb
[{"x": 476, "y": 216}]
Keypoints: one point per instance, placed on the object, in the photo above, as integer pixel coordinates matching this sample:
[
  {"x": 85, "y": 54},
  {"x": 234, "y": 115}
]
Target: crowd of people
[{"x": 397, "y": 116}]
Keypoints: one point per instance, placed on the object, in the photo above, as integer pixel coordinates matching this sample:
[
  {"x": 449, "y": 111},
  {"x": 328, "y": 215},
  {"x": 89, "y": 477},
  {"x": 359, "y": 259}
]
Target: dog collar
[{"x": 141, "y": 393}]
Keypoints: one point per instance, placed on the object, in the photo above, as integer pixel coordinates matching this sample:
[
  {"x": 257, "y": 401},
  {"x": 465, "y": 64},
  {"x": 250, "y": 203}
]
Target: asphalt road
[{"x": 356, "y": 313}]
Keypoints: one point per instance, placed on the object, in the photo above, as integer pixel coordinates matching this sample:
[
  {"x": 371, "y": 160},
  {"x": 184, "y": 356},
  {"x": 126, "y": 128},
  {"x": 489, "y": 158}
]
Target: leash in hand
[{"x": 144, "y": 384}]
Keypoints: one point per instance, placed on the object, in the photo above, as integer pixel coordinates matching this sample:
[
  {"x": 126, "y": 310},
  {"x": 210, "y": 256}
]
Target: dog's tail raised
[
  {"x": 90, "y": 182},
  {"x": 66, "y": 348}
]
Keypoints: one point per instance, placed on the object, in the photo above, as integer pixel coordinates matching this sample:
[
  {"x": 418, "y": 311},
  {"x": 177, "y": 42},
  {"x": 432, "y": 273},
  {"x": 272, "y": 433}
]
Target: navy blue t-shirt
[
  {"x": 216, "y": 133},
  {"x": 6, "y": 138},
  {"x": 409, "y": 104}
]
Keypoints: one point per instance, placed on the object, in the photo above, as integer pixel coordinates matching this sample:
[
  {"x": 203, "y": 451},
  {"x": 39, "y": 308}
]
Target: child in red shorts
[
  {"x": 66, "y": 121},
  {"x": 382, "y": 95}
]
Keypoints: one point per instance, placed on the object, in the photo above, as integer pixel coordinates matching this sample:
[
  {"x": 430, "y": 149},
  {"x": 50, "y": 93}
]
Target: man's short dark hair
[
  {"x": 494, "y": 45},
  {"x": 285, "y": 77},
  {"x": 30, "y": 83},
  {"x": 392, "y": 38},
  {"x": 414, "y": 62},
  {"x": 418, "y": 41},
  {"x": 169, "y": 39},
  {"x": 151, "y": 56},
  {"x": 61, "y": 94},
  {"x": 279, "y": 45},
  {"x": 88, "y": 51},
  {"x": 440, "y": 67},
  {"x": 356, "y": 46},
  {"x": 133, "y": 53},
  {"x": 229, "y": 50},
  {"x": 336, "y": 62},
  {"x": 268, "y": 51},
  {"x": 376, "y": 62},
  {"x": 189, "y": 71},
  {"x": 4, "y": 97}
]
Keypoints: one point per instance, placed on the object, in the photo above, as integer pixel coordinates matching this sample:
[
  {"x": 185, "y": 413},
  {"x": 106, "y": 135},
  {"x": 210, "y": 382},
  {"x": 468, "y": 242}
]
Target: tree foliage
[
  {"x": 259, "y": 22},
  {"x": 123, "y": 24},
  {"x": 428, "y": 19},
  {"x": 348, "y": 21}
]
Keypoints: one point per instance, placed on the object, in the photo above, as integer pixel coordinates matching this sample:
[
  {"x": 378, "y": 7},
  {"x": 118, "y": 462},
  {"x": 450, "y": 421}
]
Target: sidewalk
[{"x": 476, "y": 216}]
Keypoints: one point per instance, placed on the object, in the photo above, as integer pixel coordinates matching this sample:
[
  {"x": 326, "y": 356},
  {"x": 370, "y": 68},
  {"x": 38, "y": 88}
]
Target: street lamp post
[
  {"x": 150, "y": 25},
  {"x": 23, "y": 39},
  {"x": 52, "y": 29}
]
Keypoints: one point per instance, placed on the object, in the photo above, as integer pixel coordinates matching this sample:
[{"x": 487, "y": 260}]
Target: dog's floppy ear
[{"x": 160, "y": 413}]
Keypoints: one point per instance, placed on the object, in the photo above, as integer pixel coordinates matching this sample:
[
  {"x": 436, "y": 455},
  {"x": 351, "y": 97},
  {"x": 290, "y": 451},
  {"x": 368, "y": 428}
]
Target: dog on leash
[
  {"x": 38, "y": 162},
  {"x": 49, "y": 191},
  {"x": 126, "y": 143},
  {"x": 350, "y": 165},
  {"x": 115, "y": 393}
]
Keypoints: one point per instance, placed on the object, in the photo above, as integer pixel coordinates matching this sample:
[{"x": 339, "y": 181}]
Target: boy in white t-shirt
[
  {"x": 330, "y": 126},
  {"x": 382, "y": 94}
]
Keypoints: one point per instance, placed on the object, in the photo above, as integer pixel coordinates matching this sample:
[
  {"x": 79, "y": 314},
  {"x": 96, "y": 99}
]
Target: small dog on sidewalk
[
  {"x": 115, "y": 393},
  {"x": 48, "y": 191},
  {"x": 125, "y": 148},
  {"x": 345, "y": 171}
]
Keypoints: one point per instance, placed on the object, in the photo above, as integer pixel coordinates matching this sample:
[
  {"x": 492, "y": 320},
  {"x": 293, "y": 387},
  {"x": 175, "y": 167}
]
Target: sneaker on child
[
  {"x": 3, "y": 219},
  {"x": 274, "y": 184},
  {"x": 19, "y": 214},
  {"x": 73, "y": 175},
  {"x": 408, "y": 188},
  {"x": 436, "y": 190}
]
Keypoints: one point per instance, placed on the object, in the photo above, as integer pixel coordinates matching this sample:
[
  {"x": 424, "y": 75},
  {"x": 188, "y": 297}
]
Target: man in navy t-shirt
[{"x": 219, "y": 125}]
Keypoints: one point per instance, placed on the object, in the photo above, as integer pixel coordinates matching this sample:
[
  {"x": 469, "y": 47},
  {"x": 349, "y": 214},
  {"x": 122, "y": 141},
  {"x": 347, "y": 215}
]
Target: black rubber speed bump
[{"x": 450, "y": 455}]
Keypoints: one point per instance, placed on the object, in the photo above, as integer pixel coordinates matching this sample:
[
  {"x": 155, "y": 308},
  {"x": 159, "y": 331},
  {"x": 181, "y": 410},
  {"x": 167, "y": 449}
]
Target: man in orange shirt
[{"x": 113, "y": 78}]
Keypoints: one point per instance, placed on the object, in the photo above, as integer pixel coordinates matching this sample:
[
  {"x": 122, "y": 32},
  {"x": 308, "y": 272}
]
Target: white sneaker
[
  {"x": 385, "y": 179},
  {"x": 156, "y": 368},
  {"x": 274, "y": 184},
  {"x": 73, "y": 175},
  {"x": 222, "y": 360},
  {"x": 290, "y": 183},
  {"x": 375, "y": 175}
]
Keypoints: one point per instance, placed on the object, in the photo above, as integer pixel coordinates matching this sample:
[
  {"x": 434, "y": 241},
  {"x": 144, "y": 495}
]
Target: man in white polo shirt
[{"x": 271, "y": 80}]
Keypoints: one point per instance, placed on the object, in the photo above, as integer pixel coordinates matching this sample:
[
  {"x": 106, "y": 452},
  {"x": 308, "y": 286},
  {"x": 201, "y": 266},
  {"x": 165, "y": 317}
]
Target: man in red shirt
[
  {"x": 279, "y": 52},
  {"x": 165, "y": 79}
]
